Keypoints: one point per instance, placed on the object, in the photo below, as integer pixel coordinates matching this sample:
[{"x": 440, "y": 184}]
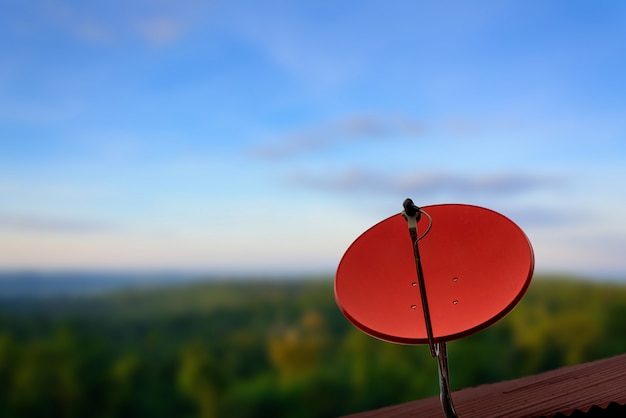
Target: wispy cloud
[
  {"x": 37, "y": 223},
  {"x": 160, "y": 31},
  {"x": 358, "y": 180},
  {"x": 349, "y": 129},
  {"x": 94, "y": 32},
  {"x": 541, "y": 217},
  {"x": 84, "y": 26},
  {"x": 38, "y": 112},
  {"x": 157, "y": 24}
]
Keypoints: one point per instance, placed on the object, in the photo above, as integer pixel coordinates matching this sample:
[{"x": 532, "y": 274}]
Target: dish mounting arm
[{"x": 412, "y": 214}]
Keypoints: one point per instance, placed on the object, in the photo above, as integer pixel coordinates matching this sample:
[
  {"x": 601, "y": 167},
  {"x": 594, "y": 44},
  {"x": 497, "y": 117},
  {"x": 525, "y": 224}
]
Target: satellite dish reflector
[
  {"x": 477, "y": 265},
  {"x": 413, "y": 279}
]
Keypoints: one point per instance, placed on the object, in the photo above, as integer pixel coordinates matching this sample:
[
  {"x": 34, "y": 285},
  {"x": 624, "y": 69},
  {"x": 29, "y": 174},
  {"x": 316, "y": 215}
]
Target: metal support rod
[
  {"x": 422, "y": 286},
  {"x": 412, "y": 214},
  {"x": 445, "y": 394}
]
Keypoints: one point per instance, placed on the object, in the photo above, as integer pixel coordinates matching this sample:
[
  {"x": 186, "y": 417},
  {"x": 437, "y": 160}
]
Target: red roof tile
[{"x": 562, "y": 392}]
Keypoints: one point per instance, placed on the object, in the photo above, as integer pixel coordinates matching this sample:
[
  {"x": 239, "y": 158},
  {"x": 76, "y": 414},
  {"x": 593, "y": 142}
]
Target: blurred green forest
[{"x": 269, "y": 348}]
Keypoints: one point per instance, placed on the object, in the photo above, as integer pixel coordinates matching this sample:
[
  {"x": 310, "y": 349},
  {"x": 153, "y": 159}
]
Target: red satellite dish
[{"x": 477, "y": 265}]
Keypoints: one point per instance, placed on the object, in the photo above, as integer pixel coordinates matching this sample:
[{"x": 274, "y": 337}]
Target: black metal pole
[
  {"x": 412, "y": 214},
  {"x": 422, "y": 286},
  {"x": 445, "y": 394}
]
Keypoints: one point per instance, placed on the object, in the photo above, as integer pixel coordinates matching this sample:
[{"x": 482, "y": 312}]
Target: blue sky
[{"x": 264, "y": 137}]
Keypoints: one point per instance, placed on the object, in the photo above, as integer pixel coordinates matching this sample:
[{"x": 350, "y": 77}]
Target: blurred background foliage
[{"x": 269, "y": 348}]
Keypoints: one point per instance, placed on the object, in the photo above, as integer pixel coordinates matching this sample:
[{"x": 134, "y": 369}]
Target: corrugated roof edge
[
  {"x": 614, "y": 410},
  {"x": 579, "y": 389}
]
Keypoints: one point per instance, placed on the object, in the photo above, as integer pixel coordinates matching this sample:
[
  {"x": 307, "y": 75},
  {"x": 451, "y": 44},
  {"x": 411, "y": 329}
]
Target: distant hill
[
  {"x": 45, "y": 284},
  {"x": 256, "y": 348}
]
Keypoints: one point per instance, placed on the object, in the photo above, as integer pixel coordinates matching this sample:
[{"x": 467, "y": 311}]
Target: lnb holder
[{"x": 410, "y": 208}]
